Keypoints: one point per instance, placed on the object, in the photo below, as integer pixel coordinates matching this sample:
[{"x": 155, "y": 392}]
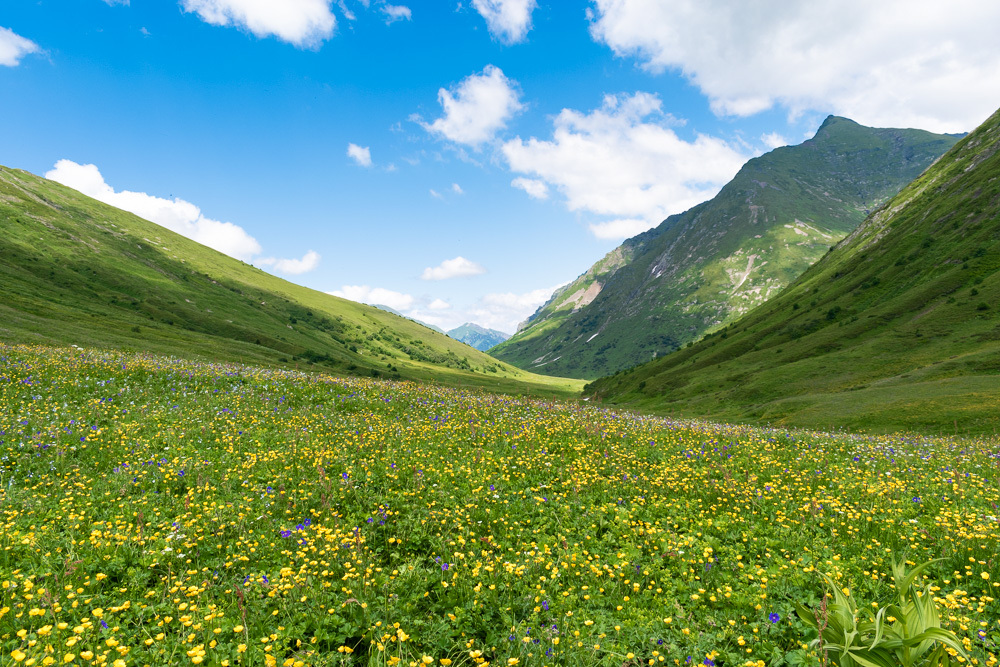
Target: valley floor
[{"x": 159, "y": 511}]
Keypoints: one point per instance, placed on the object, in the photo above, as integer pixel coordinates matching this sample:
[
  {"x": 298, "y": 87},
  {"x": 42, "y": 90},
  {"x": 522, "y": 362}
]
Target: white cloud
[
  {"x": 294, "y": 267},
  {"x": 622, "y": 228},
  {"x": 507, "y": 20},
  {"x": 774, "y": 140},
  {"x": 457, "y": 189},
  {"x": 304, "y": 23},
  {"x": 439, "y": 304},
  {"x": 477, "y": 109},
  {"x": 504, "y": 311},
  {"x": 909, "y": 63},
  {"x": 177, "y": 215},
  {"x": 395, "y": 13},
  {"x": 618, "y": 161},
  {"x": 436, "y": 194},
  {"x": 375, "y": 296},
  {"x": 535, "y": 188},
  {"x": 361, "y": 155},
  {"x": 13, "y": 47},
  {"x": 459, "y": 267}
]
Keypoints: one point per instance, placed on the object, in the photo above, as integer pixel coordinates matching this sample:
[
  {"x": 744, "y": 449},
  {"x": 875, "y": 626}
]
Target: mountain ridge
[
  {"x": 707, "y": 266},
  {"x": 897, "y": 327},
  {"x": 477, "y": 336}
]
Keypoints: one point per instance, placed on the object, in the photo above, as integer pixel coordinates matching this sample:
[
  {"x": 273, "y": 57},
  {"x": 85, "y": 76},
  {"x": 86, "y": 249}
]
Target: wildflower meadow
[{"x": 158, "y": 511}]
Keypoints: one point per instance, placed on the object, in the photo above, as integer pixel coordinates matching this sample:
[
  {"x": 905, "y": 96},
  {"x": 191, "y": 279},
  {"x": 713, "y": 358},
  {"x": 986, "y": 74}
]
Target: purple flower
[
  {"x": 286, "y": 533},
  {"x": 773, "y": 617},
  {"x": 709, "y": 662}
]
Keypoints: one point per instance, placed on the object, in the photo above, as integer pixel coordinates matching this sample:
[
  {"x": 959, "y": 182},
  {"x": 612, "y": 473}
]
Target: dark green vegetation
[
  {"x": 478, "y": 337},
  {"x": 75, "y": 271},
  {"x": 715, "y": 262},
  {"x": 897, "y": 327}
]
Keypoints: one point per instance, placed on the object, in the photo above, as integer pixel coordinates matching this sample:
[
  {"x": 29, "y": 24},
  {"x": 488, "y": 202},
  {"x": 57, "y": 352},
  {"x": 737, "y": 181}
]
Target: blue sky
[{"x": 456, "y": 160}]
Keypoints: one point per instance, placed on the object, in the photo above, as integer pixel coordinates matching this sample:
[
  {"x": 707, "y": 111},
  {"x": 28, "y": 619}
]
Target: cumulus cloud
[
  {"x": 457, "y": 189},
  {"x": 176, "y": 214},
  {"x": 439, "y": 304},
  {"x": 303, "y": 23},
  {"x": 503, "y": 311},
  {"x": 619, "y": 229},
  {"x": 507, "y": 20},
  {"x": 535, "y": 188},
  {"x": 360, "y": 154},
  {"x": 395, "y": 13},
  {"x": 623, "y": 161},
  {"x": 459, "y": 267},
  {"x": 13, "y": 47},
  {"x": 376, "y": 296},
  {"x": 773, "y": 140},
  {"x": 909, "y": 63},
  {"x": 293, "y": 267},
  {"x": 476, "y": 109}
]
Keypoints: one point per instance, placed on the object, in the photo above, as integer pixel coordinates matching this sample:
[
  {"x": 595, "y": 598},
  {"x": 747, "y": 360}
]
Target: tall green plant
[{"x": 907, "y": 634}]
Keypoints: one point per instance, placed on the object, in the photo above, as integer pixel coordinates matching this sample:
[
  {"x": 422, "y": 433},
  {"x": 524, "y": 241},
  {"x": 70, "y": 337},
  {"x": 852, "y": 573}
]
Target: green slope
[
  {"x": 898, "y": 327},
  {"x": 76, "y": 271},
  {"x": 708, "y": 266}
]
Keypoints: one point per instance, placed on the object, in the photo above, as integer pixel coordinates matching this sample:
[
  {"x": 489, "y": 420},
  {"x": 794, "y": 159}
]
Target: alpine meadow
[{"x": 301, "y": 363}]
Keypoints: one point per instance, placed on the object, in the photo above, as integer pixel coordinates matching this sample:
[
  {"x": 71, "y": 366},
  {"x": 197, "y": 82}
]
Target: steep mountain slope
[
  {"x": 715, "y": 262},
  {"x": 897, "y": 327},
  {"x": 478, "y": 337},
  {"x": 76, "y": 271}
]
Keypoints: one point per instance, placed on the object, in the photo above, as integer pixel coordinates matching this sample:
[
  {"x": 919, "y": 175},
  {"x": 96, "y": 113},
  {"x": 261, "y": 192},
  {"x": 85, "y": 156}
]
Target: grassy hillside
[
  {"x": 897, "y": 327},
  {"x": 714, "y": 263},
  {"x": 76, "y": 271}
]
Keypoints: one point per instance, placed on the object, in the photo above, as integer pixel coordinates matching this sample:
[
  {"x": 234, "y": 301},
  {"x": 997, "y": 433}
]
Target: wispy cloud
[
  {"x": 360, "y": 154},
  {"x": 395, "y": 13}
]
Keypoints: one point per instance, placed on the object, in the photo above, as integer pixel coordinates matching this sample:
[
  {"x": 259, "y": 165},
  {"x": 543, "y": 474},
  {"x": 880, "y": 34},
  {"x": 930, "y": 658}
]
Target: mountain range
[
  {"x": 706, "y": 267},
  {"x": 76, "y": 271},
  {"x": 478, "y": 337},
  {"x": 898, "y": 327}
]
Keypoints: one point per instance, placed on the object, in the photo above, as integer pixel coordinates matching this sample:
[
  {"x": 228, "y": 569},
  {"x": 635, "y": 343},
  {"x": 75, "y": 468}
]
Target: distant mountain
[
  {"x": 898, "y": 327},
  {"x": 711, "y": 264},
  {"x": 478, "y": 337},
  {"x": 76, "y": 271}
]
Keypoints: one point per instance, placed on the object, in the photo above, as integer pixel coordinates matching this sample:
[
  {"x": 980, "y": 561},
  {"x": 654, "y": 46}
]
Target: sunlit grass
[{"x": 159, "y": 511}]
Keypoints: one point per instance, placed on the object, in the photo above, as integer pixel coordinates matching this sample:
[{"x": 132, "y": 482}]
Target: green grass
[
  {"x": 158, "y": 511},
  {"x": 75, "y": 271},
  {"x": 897, "y": 327},
  {"x": 671, "y": 285}
]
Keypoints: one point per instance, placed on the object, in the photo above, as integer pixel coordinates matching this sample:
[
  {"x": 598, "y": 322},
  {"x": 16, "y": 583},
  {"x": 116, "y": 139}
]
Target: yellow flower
[
  {"x": 18, "y": 655},
  {"x": 445, "y": 661},
  {"x": 512, "y": 661},
  {"x": 427, "y": 660},
  {"x": 985, "y": 575},
  {"x": 238, "y": 628},
  {"x": 69, "y": 657}
]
